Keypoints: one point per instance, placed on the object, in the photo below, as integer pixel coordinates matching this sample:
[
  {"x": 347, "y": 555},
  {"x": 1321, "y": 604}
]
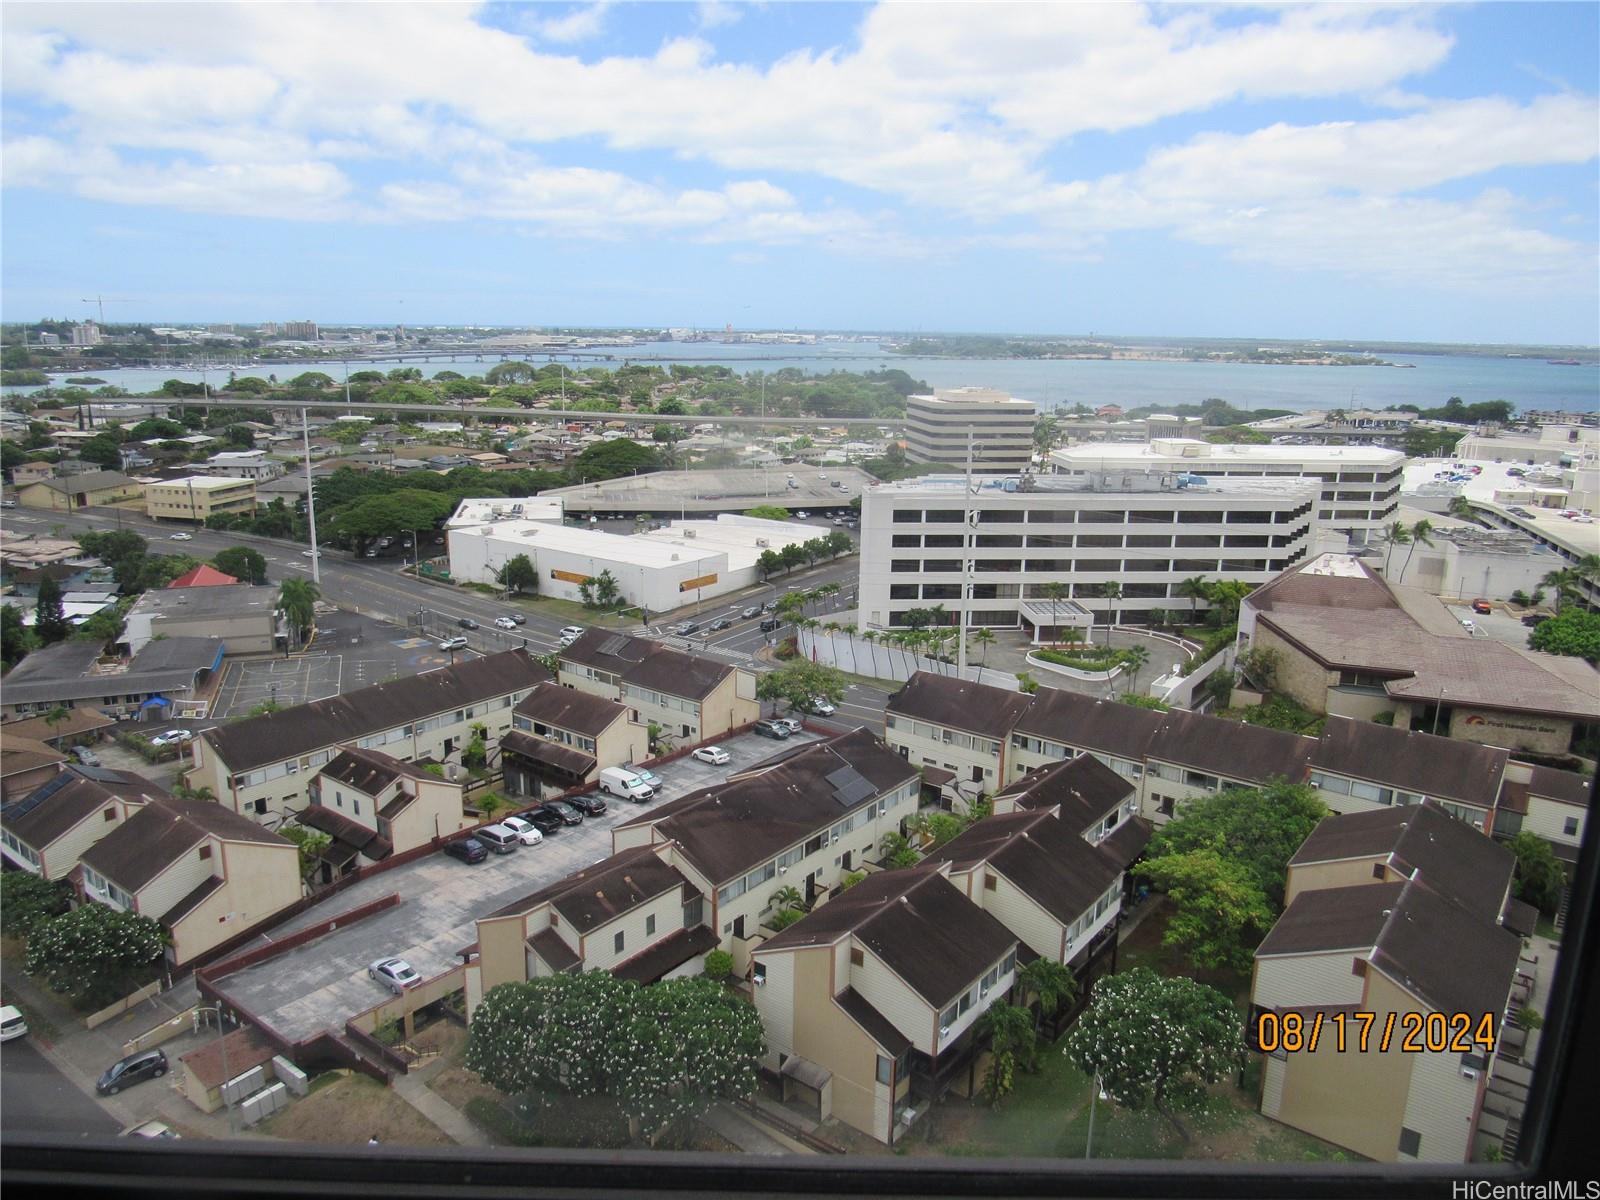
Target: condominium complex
[
  {"x": 1011, "y": 540},
  {"x": 1001, "y": 429},
  {"x": 1359, "y": 490}
]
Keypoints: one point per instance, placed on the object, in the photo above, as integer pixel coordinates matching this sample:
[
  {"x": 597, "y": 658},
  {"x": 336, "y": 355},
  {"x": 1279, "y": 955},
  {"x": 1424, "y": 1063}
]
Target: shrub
[
  {"x": 1104, "y": 661},
  {"x": 1216, "y": 642},
  {"x": 781, "y": 921},
  {"x": 719, "y": 964},
  {"x": 850, "y": 880}
]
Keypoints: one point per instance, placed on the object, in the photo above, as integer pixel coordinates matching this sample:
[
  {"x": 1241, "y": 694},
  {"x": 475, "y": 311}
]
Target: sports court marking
[{"x": 288, "y": 681}]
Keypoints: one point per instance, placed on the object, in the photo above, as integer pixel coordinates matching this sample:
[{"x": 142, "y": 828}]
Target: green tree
[
  {"x": 389, "y": 515},
  {"x": 297, "y": 598},
  {"x": 15, "y": 639},
  {"x": 1397, "y": 533},
  {"x": 768, "y": 512},
  {"x": 103, "y": 627},
  {"x": 1574, "y": 632},
  {"x": 519, "y": 574},
  {"x": 1136, "y": 658},
  {"x": 799, "y": 682},
  {"x": 1157, "y": 1042},
  {"x": 1049, "y": 983},
  {"x": 1539, "y": 878},
  {"x": 609, "y": 460},
  {"x": 49, "y": 617},
  {"x": 1013, "y": 1043},
  {"x": 546, "y": 1037},
  {"x": 896, "y": 852},
  {"x": 102, "y": 450},
  {"x": 1221, "y": 913},
  {"x": 1420, "y": 535},
  {"x": 310, "y": 844},
  {"x": 243, "y": 563},
  {"x": 943, "y": 828},
  {"x": 27, "y": 901},
  {"x": 95, "y": 953},
  {"x": 1112, "y": 590}
]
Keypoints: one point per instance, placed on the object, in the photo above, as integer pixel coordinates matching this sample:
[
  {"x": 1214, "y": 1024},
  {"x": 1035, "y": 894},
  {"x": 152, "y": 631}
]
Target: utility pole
[{"x": 311, "y": 502}]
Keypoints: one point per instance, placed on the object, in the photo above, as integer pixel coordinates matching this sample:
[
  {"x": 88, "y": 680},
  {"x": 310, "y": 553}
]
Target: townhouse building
[
  {"x": 206, "y": 874},
  {"x": 25, "y": 763},
  {"x": 67, "y": 493},
  {"x": 1404, "y": 911},
  {"x": 1090, "y": 800},
  {"x": 1553, "y": 804},
  {"x": 869, "y": 1003},
  {"x": 956, "y": 726},
  {"x": 260, "y": 766},
  {"x": 562, "y": 738},
  {"x": 804, "y": 821},
  {"x": 689, "y": 697},
  {"x": 1001, "y": 549},
  {"x": 46, "y": 831},
  {"x": 372, "y": 805}
]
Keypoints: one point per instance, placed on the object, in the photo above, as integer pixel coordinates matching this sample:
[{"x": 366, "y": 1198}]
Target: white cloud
[
  {"x": 577, "y": 26},
  {"x": 713, "y": 14}
]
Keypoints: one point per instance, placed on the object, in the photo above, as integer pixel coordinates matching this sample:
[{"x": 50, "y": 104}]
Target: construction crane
[{"x": 99, "y": 302}]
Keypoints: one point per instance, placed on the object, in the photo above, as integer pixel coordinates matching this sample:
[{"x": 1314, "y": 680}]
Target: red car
[{"x": 1481, "y": 606}]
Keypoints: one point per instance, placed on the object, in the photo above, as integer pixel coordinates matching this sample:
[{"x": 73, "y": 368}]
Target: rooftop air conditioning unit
[
  {"x": 944, "y": 1031},
  {"x": 688, "y": 533}
]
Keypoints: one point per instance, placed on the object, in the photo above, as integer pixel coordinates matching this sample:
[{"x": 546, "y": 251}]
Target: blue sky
[{"x": 1345, "y": 171}]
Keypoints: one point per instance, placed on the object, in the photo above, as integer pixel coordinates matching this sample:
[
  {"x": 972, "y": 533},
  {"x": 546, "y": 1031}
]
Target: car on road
[
  {"x": 527, "y": 832},
  {"x": 172, "y": 737},
  {"x": 715, "y": 755},
  {"x": 545, "y": 821},
  {"x": 180, "y": 537},
  {"x": 396, "y": 974},
  {"x": 8, "y": 502},
  {"x": 136, "y": 1068},
  {"x": 587, "y": 803},
  {"x": 517, "y": 618},
  {"x": 721, "y": 623},
  {"x": 792, "y": 724},
  {"x": 770, "y": 624},
  {"x": 468, "y": 850},
  {"x": 802, "y": 514},
  {"x": 12, "y": 1024},
  {"x": 572, "y": 631},
  {"x": 455, "y": 643},
  {"x": 685, "y": 629},
  {"x": 770, "y": 729},
  {"x": 466, "y": 623},
  {"x": 563, "y": 812},
  {"x": 821, "y": 706},
  {"x": 148, "y": 1129},
  {"x": 504, "y": 623},
  {"x": 308, "y": 554},
  {"x": 1481, "y": 606},
  {"x": 1534, "y": 620}
]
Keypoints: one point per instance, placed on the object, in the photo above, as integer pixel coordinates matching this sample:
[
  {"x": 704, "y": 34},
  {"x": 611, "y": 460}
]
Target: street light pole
[
  {"x": 311, "y": 499},
  {"x": 1088, "y": 1148}
]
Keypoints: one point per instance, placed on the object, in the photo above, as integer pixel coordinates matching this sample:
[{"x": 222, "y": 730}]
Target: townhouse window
[
  {"x": 110, "y": 814},
  {"x": 1165, "y": 805},
  {"x": 885, "y": 1070},
  {"x": 356, "y": 805},
  {"x": 650, "y": 925},
  {"x": 1201, "y": 780},
  {"x": 965, "y": 1003},
  {"x": 205, "y": 852},
  {"x": 1569, "y": 828},
  {"x": 1410, "y": 1142},
  {"x": 857, "y": 958},
  {"x": 617, "y": 941},
  {"x": 1010, "y": 964},
  {"x": 991, "y": 883},
  {"x": 693, "y": 912},
  {"x": 947, "y": 1018},
  {"x": 261, "y": 807}
]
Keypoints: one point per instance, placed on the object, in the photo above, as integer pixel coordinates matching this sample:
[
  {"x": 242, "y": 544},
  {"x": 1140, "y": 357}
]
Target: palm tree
[
  {"x": 55, "y": 716},
  {"x": 1565, "y": 583},
  {"x": 1048, "y": 982},
  {"x": 297, "y": 599},
  {"x": 1195, "y": 589},
  {"x": 1398, "y": 535},
  {"x": 1113, "y": 592},
  {"x": 787, "y": 897},
  {"x": 984, "y": 637},
  {"x": 1054, "y": 592},
  {"x": 1419, "y": 533},
  {"x": 1461, "y": 507},
  {"x": 1137, "y": 658}
]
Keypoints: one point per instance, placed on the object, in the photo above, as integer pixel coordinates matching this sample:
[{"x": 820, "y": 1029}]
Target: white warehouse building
[
  {"x": 663, "y": 570},
  {"x": 1146, "y": 531}
]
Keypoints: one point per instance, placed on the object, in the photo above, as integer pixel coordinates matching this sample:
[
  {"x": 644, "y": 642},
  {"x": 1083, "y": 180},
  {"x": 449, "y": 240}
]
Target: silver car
[{"x": 396, "y": 974}]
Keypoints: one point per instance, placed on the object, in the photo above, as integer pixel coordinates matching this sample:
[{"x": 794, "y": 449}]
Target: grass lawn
[
  {"x": 349, "y": 1111},
  {"x": 573, "y": 612},
  {"x": 1143, "y": 948}
]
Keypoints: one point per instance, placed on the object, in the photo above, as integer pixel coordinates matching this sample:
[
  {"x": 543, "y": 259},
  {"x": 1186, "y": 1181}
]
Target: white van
[
  {"x": 11, "y": 1024},
  {"x": 497, "y": 838},
  {"x": 616, "y": 781}
]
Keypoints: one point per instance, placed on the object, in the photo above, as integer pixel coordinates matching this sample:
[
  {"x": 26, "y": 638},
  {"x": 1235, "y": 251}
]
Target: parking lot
[
  {"x": 319, "y": 985},
  {"x": 1499, "y": 625}
]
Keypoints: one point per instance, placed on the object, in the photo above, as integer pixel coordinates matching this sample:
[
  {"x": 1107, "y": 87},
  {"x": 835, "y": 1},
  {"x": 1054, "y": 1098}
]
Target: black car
[
  {"x": 721, "y": 623},
  {"x": 1535, "y": 619},
  {"x": 543, "y": 819},
  {"x": 562, "y": 812},
  {"x": 136, "y": 1068},
  {"x": 686, "y": 629},
  {"x": 468, "y": 850},
  {"x": 517, "y": 618},
  {"x": 587, "y": 803},
  {"x": 772, "y": 729},
  {"x": 769, "y": 624},
  {"x": 467, "y": 623}
]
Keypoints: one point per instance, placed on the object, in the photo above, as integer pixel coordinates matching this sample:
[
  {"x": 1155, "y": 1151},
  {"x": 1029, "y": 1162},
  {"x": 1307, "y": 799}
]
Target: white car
[
  {"x": 1468, "y": 625},
  {"x": 180, "y": 537},
  {"x": 396, "y": 974},
  {"x": 172, "y": 737},
  {"x": 821, "y": 707},
  {"x": 455, "y": 643},
  {"x": 802, "y": 514},
  {"x": 308, "y": 554},
  {"x": 504, "y": 623},
  {"x": 715, "y": 755},
  {"x": 572, "y": 631},
  {"x": 527, "y": 833}
]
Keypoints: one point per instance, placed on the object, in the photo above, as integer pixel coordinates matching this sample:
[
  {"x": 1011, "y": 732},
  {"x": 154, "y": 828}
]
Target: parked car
[
  {"x": 721, "y": 623},
  {"x": 651, "y": 780},
  {"x": 527, "y": 832},
  {"x": 1481, "y": 606},
  {"x": 136, "y": 1068},
  {"x": 148, "y": 1129},
  {"x": 752, "y": 611},
  {"x": 172, "y": 737},
  {"x": 563, "y": 812},
  {"x": 715, "y": 755},
  {"x": 792, "y": 724},
  {"x": 587, "y": 803},
  {"x": 1468, "y": 625},
  {"x": 467, "y": 623},
  {"x": 396, "y": 974},
  {"x": 545, "y": 822},
  {"x": 572, "y": 631},
  {"x": 8, "y": 502},
  {"x": 86, "y": 756},
  {"x": 802, "y": 514},
  {"x": 504, "y": 623},
  {"x": 821, "y": 706},
  {"x": 12, "y": 1024},
  {"x": 500, "y": 839},
  {"x": 623, "y": 781},
  {"x": 180, "y": 537},
  {"x": 1533, "y": 620},
  {"x": 308, "y": 554},
  {"x": 468, "y": 850},
  {"x": 770, "y": 729},
  {"x": 455, "y": 643}
]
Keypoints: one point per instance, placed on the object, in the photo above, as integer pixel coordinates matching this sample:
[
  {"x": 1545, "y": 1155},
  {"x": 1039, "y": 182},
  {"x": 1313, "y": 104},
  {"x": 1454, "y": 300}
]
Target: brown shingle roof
[
  {"x": 162, "y": 832},
  {"x": 945, "y": 700},
  {"x": 600, "y": 893},
  {"x": 1231, "y": 748},
  {"x": 1102, "y": 725},
  {"x": 572, "y": 761},
  {"x": 1454, "y": 959},
  {"x": 740, "y": 823},
  {"x": 917, "y": 923},
  {"x": 666, "y": 955},
  {"x": 1046, "y": 860},
  {"x": 370, "y": 771},
  {"x": 1084, "y": 787},
  {"x": 345, "y": 830},
  {"x": 1325, "y": 919},
  {"x": 243, "y": 1049},
  {"x": 257, "y": 741},
  {"x": 1567, "y": 787},
  {"x": 1127, "y": 841},
  {"x": 557, "y": 955},
  {"x": 18, "y": 754},
  {"x": 59, "y": 804},
  {"x": 568, "y": 708},
  {"x": 873, "y": 1023},
  {"x": 1417, "y": 762},
  {"x": 78, "y": 720},
  {"x": 648, "y": 664}
]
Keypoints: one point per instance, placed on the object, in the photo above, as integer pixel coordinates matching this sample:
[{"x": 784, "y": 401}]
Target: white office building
[
  {"x": 1147, "y": 531},
  {"x": 245, "y": 464},
  {"x": 1359, "y": 489},
  {"x": 1001, "y": 428}
]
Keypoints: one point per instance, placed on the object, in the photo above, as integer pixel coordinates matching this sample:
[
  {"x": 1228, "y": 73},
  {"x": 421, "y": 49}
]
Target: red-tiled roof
[{"x": 202, "y": 576}]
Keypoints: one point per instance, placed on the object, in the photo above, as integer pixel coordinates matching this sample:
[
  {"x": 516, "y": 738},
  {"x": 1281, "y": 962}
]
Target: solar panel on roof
[
  {"x": 100, "y": 774},
  {"x": 21, "y": 808},
  {"x": 849, "y": 786}
]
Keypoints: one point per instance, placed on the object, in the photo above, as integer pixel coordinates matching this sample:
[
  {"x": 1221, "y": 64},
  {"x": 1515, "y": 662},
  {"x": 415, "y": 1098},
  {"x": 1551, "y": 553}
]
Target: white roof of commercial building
[
  {"x": 489, "y": 510},
  {"x": 1150, "y": 481},
  {"x": 638, "y": 551},
  {"x": 1200, "y": 453},
  {"x": 201, "y": 483},
  {"x": 974, "y": 395},
  {"x": 742, "y": 539}
]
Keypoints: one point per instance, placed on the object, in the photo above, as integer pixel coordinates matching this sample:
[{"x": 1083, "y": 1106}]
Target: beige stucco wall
[
  {"x": 1346, "y": 873},
  {"x": 500, "y": 952},
  {"x": 259, "y": 879},
  {"x": 599, "y": 943},
  {"x": 62, "y": 854},
  {"x": 1299, "y": 676},
  {"x": 436, "y": 812},
  {"x": 623, "y": 741},
  {"x": 1515, "y": 731},
  {"x": 36, "y": 495},
  {"x": 826, "y": 1036}
]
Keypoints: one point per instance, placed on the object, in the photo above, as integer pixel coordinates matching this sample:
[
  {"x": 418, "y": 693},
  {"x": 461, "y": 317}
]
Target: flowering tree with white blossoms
[
  {"x": 1157, "y": 1041},
  {"x": 95, "y": 953},
  {"x": 547, "y": 1036}
]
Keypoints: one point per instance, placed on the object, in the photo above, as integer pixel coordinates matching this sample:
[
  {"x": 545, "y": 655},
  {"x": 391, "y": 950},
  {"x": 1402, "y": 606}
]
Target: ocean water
[{"x": 1429, "y": 380}]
